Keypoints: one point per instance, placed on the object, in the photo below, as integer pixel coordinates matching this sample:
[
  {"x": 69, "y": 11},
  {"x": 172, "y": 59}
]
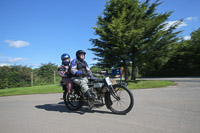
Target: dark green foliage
[
  {"x": 20, "y": 76},
  {"x": 185, "y": 60},
  {"x": 45, "y": 73},
  {"x": 14, "y": 76}
]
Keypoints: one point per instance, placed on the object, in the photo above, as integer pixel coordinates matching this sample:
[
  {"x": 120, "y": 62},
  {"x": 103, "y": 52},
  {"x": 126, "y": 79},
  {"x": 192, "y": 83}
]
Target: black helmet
[{"x": 78, "y": 53}]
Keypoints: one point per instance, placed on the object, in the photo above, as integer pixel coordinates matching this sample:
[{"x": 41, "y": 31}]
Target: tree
[
  {"x": 4, "y": 75},
  {"x": 186, "y": 60},
  {"x": 195, "y": 48},
  {"x": 131, "y": 32},
  {"x": 14, "y": 76},
  {"x": 46, "y": 72},
  {"x": 194, "y": 53}
]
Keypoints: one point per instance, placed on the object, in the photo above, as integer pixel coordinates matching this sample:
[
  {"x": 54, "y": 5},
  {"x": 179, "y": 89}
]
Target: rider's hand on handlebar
[
  {"x": 78, "y": 73},
  {"x": 81, "y": 74}
]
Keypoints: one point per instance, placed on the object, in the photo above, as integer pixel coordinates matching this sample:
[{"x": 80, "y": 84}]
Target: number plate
[{"x": 108, "y": 81}]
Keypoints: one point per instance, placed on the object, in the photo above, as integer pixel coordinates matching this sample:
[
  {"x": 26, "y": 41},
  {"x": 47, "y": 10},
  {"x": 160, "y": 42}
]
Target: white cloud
[
  {"x": 17, "y": 44},
  {"x": 92, "y": 61},
  {"x": 192, "y": 19},
  {"x": 182, "y": 24},
  {"x": 171, "y": 23},
  {"x": 15, "y": 60},
  {"x": 4, "y": 64},
  {"x": 10, "y": 60},
  {"x": 35, "y": 65},
  {"x": 187, "y": 37}
]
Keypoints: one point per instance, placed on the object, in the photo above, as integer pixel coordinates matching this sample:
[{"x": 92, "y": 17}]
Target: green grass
[
  {"x": 55, "y": 88},
  {"x": 142, "y": 84}
]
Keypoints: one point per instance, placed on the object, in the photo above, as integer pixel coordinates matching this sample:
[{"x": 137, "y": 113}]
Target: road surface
[{"x": 160, "y": 110}]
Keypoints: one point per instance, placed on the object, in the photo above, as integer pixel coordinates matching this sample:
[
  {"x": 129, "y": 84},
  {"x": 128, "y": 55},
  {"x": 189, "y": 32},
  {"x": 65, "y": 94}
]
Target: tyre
[
  {"x": 74, "y": 100},
  {"x": 122, "y": 102}
]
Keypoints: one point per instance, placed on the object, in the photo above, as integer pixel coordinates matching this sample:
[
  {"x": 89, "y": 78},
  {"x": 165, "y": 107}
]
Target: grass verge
[
  {"x": 138, "y": 84},
  {"x": 142, "y": 84},
  {"x": 31, "y": 90}
]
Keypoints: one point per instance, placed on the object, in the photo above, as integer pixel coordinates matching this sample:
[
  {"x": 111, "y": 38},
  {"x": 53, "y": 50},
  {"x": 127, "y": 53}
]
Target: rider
[
  {"x": 64, "y": 72},
  {"x": 80, "y": 71}
]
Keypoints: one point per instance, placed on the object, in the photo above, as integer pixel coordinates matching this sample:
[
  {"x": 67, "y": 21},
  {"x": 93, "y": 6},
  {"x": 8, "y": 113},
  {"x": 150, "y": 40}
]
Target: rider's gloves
[
  {"x": 82, "y": 74},
  {"x": 78, "y": 73}
]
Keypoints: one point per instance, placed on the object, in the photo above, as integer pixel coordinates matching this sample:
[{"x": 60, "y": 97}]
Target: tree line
[
  {"x": 184, "y": 60},
  {"x": 20, "y": 76},
  {"x": 133, "y": 34}
]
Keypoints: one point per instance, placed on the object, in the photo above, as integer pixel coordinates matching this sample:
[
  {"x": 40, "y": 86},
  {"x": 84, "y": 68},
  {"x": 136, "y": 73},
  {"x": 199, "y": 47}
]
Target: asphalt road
[{"x": 160, "y": 110}]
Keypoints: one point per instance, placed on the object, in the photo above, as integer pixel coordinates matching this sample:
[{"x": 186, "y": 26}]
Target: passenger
[{"x": 64, "y": 72}]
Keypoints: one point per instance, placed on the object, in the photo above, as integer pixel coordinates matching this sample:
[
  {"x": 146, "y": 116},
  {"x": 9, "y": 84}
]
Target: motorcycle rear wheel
[{"x": 73, "y": 101}]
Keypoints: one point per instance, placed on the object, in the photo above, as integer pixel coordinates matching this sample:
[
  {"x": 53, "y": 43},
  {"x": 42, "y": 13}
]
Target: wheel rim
[
  {"x": 74, "y": 100},
  {"x": 123, "y": 103}
]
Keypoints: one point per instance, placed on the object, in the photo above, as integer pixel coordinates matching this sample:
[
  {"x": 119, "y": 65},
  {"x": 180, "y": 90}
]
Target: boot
[{"x": 89, "y": 95}]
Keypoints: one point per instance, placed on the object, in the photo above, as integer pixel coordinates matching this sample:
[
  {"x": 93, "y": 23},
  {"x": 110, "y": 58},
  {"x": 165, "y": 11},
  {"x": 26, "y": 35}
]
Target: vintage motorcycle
[{"x": 117, "y": 97}]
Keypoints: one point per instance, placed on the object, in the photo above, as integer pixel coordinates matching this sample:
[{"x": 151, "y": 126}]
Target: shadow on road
[{"x": 60, "y": 107}]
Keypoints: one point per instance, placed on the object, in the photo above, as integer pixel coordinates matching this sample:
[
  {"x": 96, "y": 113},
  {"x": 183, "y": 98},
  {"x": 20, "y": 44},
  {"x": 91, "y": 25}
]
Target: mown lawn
[
  {"x": 31, "y": 90},
  {"x": 142, "y": 84},
  {"x": 55, "y": 88}
]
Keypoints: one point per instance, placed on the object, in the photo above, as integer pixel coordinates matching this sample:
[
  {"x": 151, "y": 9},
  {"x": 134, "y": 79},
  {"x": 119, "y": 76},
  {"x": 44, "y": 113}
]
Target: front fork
[
  {"x": 110, "y": 91},
  {"x": 113, "y": 93}
]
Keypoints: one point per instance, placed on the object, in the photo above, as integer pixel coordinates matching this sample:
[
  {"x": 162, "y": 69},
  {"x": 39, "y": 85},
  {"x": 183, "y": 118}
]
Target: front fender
[{"x": 108, "y": 101}]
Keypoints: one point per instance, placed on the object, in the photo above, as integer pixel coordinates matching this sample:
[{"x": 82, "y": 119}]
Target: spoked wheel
[
  {"x": 121, "y": 101},
  {"x": 74, "y": 100}
]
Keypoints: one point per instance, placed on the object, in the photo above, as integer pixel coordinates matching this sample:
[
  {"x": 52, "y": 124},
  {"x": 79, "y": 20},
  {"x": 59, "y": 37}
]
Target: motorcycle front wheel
[
  {"x": 74, "y": 100},
  {"x": 121, "y": 101}
]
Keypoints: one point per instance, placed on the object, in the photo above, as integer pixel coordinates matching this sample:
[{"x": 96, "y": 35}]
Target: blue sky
[{"x": 39, "y": 31}]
